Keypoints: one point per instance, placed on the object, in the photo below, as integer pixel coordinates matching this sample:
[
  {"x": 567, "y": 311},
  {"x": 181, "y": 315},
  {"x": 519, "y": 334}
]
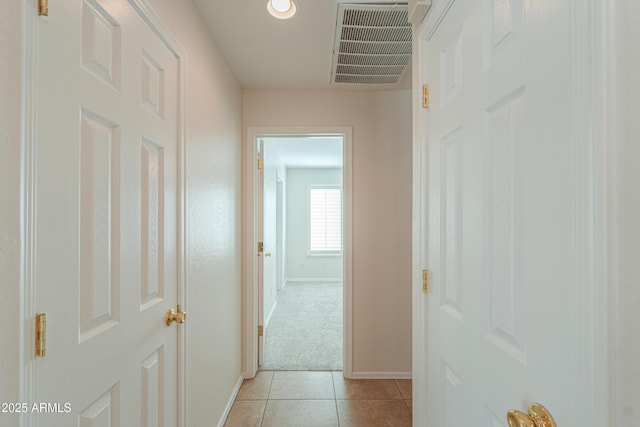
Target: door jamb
[{"x": 250, "y": 294}]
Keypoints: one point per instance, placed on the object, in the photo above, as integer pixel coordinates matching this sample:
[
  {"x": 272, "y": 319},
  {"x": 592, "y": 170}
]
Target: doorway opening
[
  {"x": 298, "y": 283},
  {"x": 303, "y": 262}
]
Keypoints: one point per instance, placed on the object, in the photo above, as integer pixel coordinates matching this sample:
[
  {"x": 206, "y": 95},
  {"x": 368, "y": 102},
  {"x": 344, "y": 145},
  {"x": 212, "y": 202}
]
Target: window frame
[{"x": 325, "y": 252}]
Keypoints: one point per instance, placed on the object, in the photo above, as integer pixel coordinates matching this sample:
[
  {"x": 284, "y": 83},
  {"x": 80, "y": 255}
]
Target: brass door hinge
[
  {"x": 260, "y": 164},
  {"x": 425, "y": 96},
  {"x": 43, "y": 7},
  {"x": 425, "y": 281},
  {"x": 41, "y": 335},
  {"x": 260, "y": 330}
]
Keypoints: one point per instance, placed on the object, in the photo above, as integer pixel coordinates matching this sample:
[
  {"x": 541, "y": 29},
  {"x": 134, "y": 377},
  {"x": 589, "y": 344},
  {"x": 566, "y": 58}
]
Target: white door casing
[
  {"x": 252, "y": 298},
  {"x": 104, "y": 184},
  {"x": 508, "y": 214}
]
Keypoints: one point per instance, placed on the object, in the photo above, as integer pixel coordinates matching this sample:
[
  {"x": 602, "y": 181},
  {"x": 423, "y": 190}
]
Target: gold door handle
[
  {"x": 267, "y": 254},
  {"x": 178, "y": 316},
  {"x": 538, "y": 416}
]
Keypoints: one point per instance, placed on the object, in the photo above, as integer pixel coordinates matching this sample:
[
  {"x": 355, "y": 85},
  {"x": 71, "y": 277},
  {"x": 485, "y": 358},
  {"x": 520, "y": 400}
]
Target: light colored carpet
[{"x": 305, "y": 331}]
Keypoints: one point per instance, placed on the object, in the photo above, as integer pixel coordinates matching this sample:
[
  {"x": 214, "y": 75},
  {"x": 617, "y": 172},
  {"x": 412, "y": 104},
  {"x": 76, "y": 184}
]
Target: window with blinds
[{"x": 325, "y": 220}]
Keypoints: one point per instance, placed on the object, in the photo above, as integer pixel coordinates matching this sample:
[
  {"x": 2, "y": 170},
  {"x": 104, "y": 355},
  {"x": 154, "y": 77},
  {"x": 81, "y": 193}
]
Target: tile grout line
[
  {"x": 266, "y": 402},
  {"x": 335, "y": 397}
]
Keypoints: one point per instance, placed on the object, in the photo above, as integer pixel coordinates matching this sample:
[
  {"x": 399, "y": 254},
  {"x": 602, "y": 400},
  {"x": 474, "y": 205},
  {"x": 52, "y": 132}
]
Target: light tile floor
[{"x": 320, "y": 399}]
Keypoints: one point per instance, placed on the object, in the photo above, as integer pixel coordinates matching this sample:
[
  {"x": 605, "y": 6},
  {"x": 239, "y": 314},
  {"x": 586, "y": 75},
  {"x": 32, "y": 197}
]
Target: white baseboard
[
  {"x": 232, "y": 399},
  {"x": 313, "y": 279},
  {"x": 380, "y": 375},
  {"x": 268, "y": 319}
]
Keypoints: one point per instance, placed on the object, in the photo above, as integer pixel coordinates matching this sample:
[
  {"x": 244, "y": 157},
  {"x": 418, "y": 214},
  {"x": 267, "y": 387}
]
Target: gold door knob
[
  {"x": 538, "y": 416},
  {"x": 268, "y": 254},
  {"x": 178, "y": 316}
]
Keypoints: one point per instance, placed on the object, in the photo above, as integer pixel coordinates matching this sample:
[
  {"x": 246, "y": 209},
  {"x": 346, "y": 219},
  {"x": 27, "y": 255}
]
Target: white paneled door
[
  {"x": 106, "y": 217},
  {"x": 260, "y": 250},
  {"x": 507, "y": 316}
]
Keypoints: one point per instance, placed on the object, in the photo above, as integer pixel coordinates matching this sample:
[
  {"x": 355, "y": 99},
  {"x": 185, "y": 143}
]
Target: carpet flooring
[{"x": 305, "y": 331}]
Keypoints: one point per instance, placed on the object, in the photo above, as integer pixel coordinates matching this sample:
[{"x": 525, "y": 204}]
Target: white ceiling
[
  {"x": 268, "y": 53},
  {"x": 306, "y": 152}
]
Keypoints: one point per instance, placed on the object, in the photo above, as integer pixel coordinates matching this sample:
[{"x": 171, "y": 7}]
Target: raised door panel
[
  {"x": 504, "y": 127},
  {"x": 99, "y": 225},
  {"x": 452, "y": 292},
  {"x": 104, "y": 411},
  {"x": 152, "y": 388},
  {"x": 152, "y": 220},
  {"x": 101, "y": 43}
]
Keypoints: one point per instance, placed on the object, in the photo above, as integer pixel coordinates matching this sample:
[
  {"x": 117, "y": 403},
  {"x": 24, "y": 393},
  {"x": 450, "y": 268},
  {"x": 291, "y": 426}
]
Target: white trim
[
  {"x": 312, "y": 279},
  {"x": 28, "y": 193},
  {"x": 230, "y": 402},
  {"x": 421, "y": 36},
  {"x": 590, "y": 154},
  {"x": 433, "y": 19},
  {"x": 379, "y": 375},
  {"x": 250, "y": 303},
  {"x": 26, "y": 363},
  {"x": 613, "y": 203},
  {"x": 418, "y": 258},
  {"x": 269, "y": 316}
]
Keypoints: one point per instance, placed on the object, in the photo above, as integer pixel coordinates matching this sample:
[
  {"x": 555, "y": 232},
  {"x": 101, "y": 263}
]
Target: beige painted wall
[
  {"x": 213, "y": 219},
  {"x": 381, "y": 123},
  {"x": 10, "y": 113}
]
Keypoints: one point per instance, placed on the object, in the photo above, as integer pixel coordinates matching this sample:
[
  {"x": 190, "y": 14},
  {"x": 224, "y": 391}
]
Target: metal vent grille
[{"x": 372, "y": 44}]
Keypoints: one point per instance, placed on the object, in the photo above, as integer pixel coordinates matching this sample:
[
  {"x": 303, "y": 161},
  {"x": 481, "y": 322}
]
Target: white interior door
[
  {"x": 260, "y": 252},
  {"x": 506, "y": 315},
  {"x": 106, "y": 217},
  {"x": 279, "y": 258},
  {"x": 270, "y": 248}
]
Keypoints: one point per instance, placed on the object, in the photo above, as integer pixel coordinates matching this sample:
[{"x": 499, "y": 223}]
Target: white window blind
[{"x": 325, "y": 220}]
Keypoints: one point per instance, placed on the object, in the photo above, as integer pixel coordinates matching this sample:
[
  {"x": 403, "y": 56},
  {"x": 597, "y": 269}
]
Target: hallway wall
[
  {"x": 381, "y": 123},
  {"x": 213, "y": 220}
]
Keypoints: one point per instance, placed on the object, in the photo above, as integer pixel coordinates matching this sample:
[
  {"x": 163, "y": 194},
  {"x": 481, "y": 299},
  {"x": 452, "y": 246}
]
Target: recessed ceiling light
[{"x": 281, "y": 9}]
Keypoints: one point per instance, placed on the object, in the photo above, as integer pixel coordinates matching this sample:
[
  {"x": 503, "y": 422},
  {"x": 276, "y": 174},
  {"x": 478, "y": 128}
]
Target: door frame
[
  {"x": 250, "y": 260},
  {"x": 28, "y": 229},
  {"x": 592, "y": 215}
]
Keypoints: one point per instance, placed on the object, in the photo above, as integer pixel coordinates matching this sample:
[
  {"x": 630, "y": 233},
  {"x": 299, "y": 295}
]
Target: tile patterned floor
[{"x": 320, "y": 399}]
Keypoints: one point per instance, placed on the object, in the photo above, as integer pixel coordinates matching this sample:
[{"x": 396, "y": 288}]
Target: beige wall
[
  {"x": 10, "y": 109},
  {"x": 381, "y": 123},
  {"x": 213, "y": 219}
]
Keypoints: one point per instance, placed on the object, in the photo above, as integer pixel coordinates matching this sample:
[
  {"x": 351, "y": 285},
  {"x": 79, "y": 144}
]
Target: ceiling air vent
[{"x": 372, "y": 44}]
